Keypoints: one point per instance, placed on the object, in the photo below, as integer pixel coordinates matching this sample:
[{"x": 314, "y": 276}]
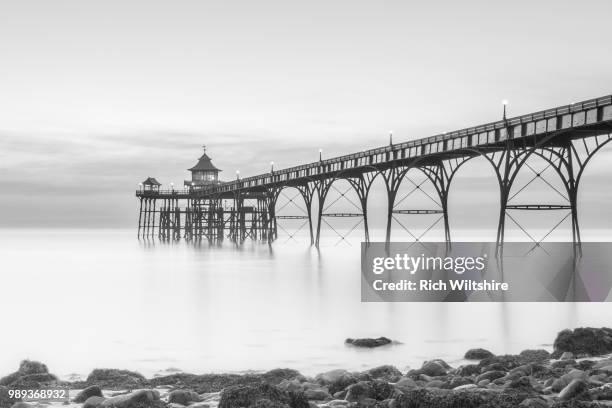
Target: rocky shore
[{"x": 577, "y": 374}]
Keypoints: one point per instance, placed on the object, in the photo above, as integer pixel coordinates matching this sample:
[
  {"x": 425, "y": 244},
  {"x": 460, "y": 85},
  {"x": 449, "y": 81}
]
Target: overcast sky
[{"x": 97, "y": 95}]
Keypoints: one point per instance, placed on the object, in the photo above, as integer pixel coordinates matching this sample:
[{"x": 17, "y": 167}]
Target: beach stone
[
  {"x": 434, "y": 368},
  {"x": 318, "y": 394},
  {"x": 504, "y": 362},
  {"x": 340, "y": 395},
  {"x": 199, "y": 405},
  {"x": 291, "y": 385},
  {"x": 183, "y": 397},
  {"x": 368, "y": 342},
  {"x": 93, "y": 402},
  {"x": 138, "y": 399},
  {"x": 175, "y": 405},
  {"x": 91, "y": 391},
  {"x": 336, "y": 380},
  {"x": 563, "y": 363},
  {"x": 529, "y": 356},
  {"x": 405, "y": 383},
  {"x": 477, "y": 354},
  {"x": 565, "y": 379},
  {"x": 337, "y": 402},
  {"x": 490, "y": 375},
  {"x": 266, "y": 403},
  {"x": 359, "y": 391},
  {"x": 483, "y": 383},
  {"x": 568, "y": 355},
  {"x": 575, "y": 389},
  {"x": 435, "y": 384},
  {"x": 468, "y": 370},
  {"x": 111, "y": 378},
  {"x": 260, "y": 395},
  {"x": 534, "y": 403},
  {"x": 584, "y": 341},
  {"x": 471, "y": 398},
  {"x": 603, "y": 392},
  {"x": 465, "y": 387},
  {"x": 523, "y": 384},
  {"x": 277, "y": 375},
  {"x": 386, "y": 372},
  {"x": 5, "y": 401},
  {"x": 458, "y": 381},
  {"x": 31, "y": 374}
]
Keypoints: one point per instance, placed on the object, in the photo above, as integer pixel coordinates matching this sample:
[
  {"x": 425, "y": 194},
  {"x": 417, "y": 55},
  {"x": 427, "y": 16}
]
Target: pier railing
[
  {"x": 491, "y": 134},
  {"x": 542, "y": 122}
]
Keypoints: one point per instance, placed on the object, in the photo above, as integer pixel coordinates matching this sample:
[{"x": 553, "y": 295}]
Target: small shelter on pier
[
  {"x": 204, "y": 173},
  {"x": 151, "y": 184}
]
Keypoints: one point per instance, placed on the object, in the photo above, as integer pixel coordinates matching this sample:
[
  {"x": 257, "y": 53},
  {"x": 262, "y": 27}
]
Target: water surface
[{"x": 81, "y": 299}]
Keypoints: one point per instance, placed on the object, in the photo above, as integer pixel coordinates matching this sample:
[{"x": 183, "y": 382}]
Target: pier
[{"x": 565, "y": 137}]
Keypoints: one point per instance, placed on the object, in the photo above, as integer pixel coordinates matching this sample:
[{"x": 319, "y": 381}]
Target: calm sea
[{"x": 81, "y": 299}]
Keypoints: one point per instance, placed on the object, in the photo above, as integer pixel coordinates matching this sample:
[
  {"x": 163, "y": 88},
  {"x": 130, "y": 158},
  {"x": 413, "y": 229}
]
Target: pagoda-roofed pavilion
[
  {"x": 151, "y": 184},
  {"x": 204, "y": 173}
]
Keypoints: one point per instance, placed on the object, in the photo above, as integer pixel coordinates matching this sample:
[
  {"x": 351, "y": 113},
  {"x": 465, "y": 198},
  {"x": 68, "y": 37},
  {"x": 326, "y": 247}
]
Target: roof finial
[{"x": 204, "y": 148}]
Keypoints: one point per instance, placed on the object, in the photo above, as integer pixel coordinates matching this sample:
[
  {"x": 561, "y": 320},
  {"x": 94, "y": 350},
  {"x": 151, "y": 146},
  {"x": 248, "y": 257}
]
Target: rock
[
  {"x": 91, "y": 391},
  {"x": 110, "y": 378},
  {"x": 405, "y": 383},
  {"x": 568, "y": 355},
  {"x": 261, "y": 395},
  {"x": 575, "y": 389},
  {"x": 503, "y": 362},
  {"x": 340, "y": 395},
  {"x": 199, "y": 405},
  {"x": 174, "y": 405},
  {"x": 565, "y": 379},
  {"x": 318, "y": 394},
  {"x": 435, "y": 384},
  {"x": 266, "y": 403},
  {"x": 563, "y": 364},
  {"x": 369, "y": 343},
  {"x": 29, "y": 367},
  {"x": 31, "y": 374},
  {"x": 468, "y": 370},
  {"x": 523, "y": 384},
  {"x": 602, "y": 393},
  {"x": 471, "y": 398},
  {"x": 465, "y": 387},
  {"x": 534, "y": 403},
  {"x": 138, "y": 399},
  {"x": 584, "y": 341},
  {"x": 490, "y": 375},
  {"x": 434, "y": 368},
  {"x": 532, "y": 356},
  {"x": 277, "y": 375},
  {"x": 359, "y": 391},
  {"x": 386, "y": 372},
  {"x": 337, "y": 402},
  {"x": 336, "y": 380},
  {"x": 183, "y": 397},
  {"x": 207, "y": 383},
  {"x": 23, "y": 405},
  {"x": 93, "y": 402},
  {"x": 458, "y": 381},
  {"x": 477, "y": 354},
  {"x": 5, "y": 401},
  {"x": 483, "y": 383}
]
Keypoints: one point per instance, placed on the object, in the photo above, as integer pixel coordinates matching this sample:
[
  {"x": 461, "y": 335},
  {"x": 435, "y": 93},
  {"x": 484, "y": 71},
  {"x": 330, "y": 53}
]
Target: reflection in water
[{"x": 86, "y": 299}]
